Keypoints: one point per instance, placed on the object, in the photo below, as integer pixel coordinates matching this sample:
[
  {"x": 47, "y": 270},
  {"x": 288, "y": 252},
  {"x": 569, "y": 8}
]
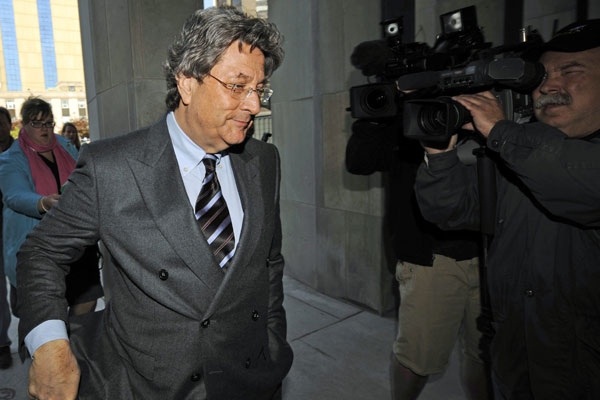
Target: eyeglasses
[
  {"x": 242, "y": 92},
  {"x": 40, "y": 124}
]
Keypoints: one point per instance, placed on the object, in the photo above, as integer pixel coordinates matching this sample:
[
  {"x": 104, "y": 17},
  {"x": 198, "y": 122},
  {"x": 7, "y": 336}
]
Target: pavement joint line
[
  {"x": 317, "y": 308},
  {"x": 328, "y": 325}
]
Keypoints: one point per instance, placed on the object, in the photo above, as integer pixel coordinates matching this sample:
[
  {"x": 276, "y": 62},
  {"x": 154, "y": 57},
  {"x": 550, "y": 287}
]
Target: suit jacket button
[
  {"x": 255, "y": 315},
  {"x": 205, "y": 323},
  {"x": 163, "y": 275},
  {"x": 195, "y": 377},
  {"x": 247, "y": 363}
]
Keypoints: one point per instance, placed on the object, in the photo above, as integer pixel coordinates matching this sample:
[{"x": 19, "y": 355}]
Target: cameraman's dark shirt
[{"x": 382, "y": 147}]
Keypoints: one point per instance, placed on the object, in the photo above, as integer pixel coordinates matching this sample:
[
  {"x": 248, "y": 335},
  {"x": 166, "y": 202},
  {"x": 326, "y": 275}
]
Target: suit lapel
[
  {"x": 245, "y": 169},
  {"x": 161, "y": 186}
]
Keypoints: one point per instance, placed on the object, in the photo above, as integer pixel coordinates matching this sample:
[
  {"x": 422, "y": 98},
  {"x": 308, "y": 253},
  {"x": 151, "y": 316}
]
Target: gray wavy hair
[{"x": 207, "y": 34}]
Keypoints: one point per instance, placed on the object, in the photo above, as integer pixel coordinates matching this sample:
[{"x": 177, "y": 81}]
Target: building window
[
  {"x": 10, "y": 106},
  {"x": 71, "y": 88},
  {"x": 9, "y": 46},
  {"x": 47, "y": 42},
  {"x": 82, "y": 110}
]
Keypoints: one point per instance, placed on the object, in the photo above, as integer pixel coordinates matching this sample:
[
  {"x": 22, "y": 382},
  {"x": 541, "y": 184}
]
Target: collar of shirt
[
  {"x": 189, "y": 158},
  {"x": 188, "y": 153}
]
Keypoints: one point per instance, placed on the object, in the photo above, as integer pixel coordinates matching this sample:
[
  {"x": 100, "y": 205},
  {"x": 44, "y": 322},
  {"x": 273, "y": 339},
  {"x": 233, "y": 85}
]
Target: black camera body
[
  {"x": 460, "y": 62},
  {"x": 435, "y": 120}
]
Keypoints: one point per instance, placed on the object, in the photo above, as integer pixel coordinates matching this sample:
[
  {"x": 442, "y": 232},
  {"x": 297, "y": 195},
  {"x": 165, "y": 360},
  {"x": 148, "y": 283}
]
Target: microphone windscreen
[{"x": 371, "y": 57}]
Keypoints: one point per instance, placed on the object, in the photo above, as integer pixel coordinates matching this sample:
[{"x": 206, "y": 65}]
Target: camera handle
[{"x": 486, "y": 176}]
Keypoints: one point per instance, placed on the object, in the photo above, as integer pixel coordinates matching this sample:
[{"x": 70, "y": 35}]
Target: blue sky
[{"x": 209, "y": 3}]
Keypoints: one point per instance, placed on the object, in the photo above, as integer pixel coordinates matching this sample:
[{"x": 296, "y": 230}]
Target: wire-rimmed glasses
[{"x": 242, "y": 92}]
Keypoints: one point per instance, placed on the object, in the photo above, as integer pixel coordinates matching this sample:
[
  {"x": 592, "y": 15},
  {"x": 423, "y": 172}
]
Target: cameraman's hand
[
  {"x": 485, "y": 109},
  {"x": 435, "y": 150}
]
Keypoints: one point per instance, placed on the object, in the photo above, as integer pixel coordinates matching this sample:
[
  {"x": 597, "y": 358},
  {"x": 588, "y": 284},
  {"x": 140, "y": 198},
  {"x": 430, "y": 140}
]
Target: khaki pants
[{"x": 438, "y": 304}]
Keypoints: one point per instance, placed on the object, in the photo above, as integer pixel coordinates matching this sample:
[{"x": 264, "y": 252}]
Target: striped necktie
[{"x": 213, "y": 215}]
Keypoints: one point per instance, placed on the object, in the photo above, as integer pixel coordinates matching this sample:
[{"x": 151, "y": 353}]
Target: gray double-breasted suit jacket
[{"x": 175, "y": 324}]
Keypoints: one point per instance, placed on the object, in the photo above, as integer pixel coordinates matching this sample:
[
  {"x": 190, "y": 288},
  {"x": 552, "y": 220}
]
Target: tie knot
[{"x": 210, "y": 162}]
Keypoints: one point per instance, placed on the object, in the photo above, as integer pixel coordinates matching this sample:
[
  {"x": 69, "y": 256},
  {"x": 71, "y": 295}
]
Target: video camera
[{"x": 459, "y": 62}]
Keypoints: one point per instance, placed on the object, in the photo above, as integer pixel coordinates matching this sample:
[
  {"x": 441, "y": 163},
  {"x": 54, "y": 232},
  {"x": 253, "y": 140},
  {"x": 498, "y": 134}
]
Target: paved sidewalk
[{"x": 341, "y": 352}]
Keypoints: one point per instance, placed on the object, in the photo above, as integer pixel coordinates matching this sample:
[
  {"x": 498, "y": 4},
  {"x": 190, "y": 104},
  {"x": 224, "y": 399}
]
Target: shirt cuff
[{"x": 45, "y": 332}]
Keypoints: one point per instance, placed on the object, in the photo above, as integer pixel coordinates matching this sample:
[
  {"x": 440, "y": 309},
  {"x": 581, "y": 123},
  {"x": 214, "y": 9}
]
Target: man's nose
[
  {"x": 252, "y": 103},
  {"x": 549, "y": 84}
]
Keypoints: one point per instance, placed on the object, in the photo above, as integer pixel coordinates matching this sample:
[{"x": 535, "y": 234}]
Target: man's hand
[
  {"x": 485, "y": 109},
  {"x": 54, "y": 372}
]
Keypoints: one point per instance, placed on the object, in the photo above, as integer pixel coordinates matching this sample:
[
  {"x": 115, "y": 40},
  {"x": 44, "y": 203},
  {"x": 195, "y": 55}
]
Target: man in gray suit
[{"x": 182, "y": 321}]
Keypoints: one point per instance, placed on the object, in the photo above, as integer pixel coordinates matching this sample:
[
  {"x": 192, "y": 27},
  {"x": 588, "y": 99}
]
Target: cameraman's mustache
[{"x": 553, "y": 99}]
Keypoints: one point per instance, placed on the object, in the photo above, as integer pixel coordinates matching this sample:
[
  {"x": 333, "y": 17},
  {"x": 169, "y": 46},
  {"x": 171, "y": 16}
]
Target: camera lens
[
  {"x": 433, "y": 119},
  {"x": 376, "y": 100},
  {"x": 441, "y": 116}
]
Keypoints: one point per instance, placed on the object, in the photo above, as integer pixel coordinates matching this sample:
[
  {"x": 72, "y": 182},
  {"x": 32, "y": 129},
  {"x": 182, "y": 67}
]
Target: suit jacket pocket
[{"x": 141, "y": 362}]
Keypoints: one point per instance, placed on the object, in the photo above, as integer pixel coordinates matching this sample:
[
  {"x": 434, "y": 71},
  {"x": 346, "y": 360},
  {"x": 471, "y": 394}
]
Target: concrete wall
[
  {"x": 124, "y": 45},
  {"x": 546, "y": 16},
  {"x": 332, "y": 220}
]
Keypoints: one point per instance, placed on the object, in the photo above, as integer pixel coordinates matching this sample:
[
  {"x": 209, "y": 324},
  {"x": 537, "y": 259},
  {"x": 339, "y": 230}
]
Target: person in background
[
  {"x": 69, "y": 130},
  {"x": 32, "y": 173},
  {"x": 6, "y": 140},
  {"x": 187, "y": 211},
  {"x": 437, "y": 271},
  {"x": 543, "y": 268}
]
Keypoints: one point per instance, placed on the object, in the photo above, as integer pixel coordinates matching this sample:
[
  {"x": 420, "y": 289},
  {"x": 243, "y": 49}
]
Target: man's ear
[{"x": 185, "y": 86}]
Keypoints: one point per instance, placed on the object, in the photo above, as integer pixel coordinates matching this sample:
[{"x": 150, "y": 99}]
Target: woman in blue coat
[{"x": 32, "y": 173}]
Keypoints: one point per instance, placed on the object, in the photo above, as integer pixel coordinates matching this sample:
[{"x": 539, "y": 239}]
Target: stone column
[
  {"x": 332, "y": 220},
  {"x": 124, "y": 45}
]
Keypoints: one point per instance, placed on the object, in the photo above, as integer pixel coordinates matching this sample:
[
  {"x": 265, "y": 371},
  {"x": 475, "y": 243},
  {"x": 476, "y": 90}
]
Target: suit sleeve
[{"x": 55, "y": 243}]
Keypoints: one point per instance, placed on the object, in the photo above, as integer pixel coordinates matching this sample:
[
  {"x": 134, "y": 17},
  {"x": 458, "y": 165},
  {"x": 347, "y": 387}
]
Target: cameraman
[
  {"x": 437, "y": 272},
  {"x": 544, "y": 260}
]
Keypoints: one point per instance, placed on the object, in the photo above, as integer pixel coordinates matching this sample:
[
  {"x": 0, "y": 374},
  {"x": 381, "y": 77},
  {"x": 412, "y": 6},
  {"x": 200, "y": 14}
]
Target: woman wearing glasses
[{"x": 32, "y": 173}]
